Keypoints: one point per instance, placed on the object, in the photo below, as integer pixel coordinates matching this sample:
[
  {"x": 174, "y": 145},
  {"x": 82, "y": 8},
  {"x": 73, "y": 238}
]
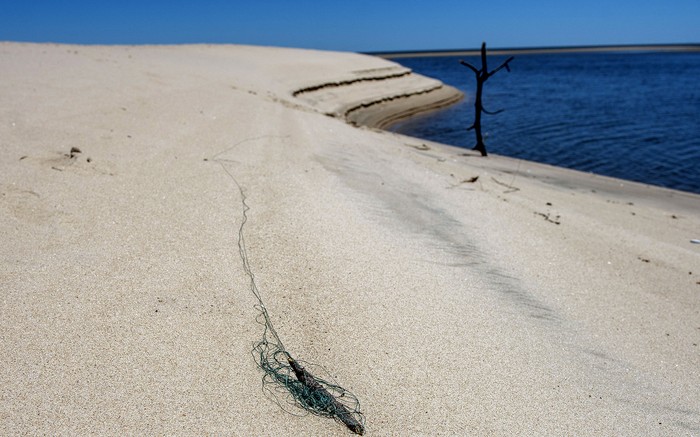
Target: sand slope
[{"x": 533, "y": 301}]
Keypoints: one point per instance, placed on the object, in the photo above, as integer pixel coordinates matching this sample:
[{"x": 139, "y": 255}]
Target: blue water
[{"x": 634, "y": 116}]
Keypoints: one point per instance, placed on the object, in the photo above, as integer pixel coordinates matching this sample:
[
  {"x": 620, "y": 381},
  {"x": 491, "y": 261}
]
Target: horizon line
[{"x": 669, "y": 47}]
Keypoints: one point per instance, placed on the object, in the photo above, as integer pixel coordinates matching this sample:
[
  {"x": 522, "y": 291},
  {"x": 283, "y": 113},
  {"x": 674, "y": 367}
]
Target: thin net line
[{"x": 283, "y": 374}]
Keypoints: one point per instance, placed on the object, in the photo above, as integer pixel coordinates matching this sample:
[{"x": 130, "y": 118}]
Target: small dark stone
[{"x": 74, "y": 151}]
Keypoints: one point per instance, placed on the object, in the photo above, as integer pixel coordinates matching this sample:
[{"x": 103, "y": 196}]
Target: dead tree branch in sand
[{"x": 482, "y": 75}]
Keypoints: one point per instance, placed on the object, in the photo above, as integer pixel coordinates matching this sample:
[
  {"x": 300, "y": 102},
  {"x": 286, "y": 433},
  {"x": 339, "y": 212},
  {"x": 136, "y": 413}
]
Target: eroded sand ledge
[{"x": 566, "y": 305}]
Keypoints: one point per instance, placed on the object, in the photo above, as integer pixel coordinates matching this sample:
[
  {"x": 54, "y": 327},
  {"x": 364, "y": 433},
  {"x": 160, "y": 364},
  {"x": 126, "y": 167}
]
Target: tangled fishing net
[{"x": 286, "y": 376}]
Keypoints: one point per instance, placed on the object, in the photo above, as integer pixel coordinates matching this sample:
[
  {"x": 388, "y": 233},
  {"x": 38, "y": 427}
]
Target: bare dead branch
[
  {"x": 503, "y": 65},
  {"x": 467, "y": 64},
  {"x": 482, "y": 75}
]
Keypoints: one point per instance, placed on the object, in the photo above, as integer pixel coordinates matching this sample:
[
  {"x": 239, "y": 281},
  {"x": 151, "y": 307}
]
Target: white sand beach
[{"x": 532, "y": 300}]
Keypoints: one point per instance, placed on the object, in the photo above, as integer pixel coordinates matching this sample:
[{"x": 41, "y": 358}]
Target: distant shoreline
[{"x": 541, "y": 50}]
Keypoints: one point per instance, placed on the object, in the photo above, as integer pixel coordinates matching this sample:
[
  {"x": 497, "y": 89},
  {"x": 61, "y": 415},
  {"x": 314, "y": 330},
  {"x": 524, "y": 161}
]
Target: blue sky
[{"x": 355, "y": 25}]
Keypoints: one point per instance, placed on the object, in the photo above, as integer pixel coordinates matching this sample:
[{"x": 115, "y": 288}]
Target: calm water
[{"x": 633, "y": 116}]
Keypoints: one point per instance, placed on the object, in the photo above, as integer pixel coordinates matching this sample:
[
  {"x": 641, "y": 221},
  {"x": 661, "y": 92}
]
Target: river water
[{"x": 630, "y": 115}]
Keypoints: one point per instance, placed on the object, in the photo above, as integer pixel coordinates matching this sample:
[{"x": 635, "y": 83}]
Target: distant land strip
[{"x": 542, "y": 50}]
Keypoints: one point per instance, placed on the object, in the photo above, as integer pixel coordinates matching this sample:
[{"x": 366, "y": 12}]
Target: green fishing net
[{"x": 287, "y": 380}]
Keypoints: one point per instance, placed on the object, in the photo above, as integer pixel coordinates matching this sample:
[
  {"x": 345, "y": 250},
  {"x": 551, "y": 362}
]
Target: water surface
[{"x": 631, "y": 115}]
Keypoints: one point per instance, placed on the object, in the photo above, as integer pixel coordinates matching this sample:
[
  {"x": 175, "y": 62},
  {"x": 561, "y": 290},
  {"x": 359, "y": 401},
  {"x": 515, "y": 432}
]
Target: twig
[
  {"x": 549, "y": 219},
  {"x": 512, "y": 188},
  {"x": 335, "y": 408}
]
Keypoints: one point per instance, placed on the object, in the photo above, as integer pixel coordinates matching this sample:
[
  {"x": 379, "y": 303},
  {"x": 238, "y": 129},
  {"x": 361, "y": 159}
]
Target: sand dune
[{"x": 530, "y": 301}]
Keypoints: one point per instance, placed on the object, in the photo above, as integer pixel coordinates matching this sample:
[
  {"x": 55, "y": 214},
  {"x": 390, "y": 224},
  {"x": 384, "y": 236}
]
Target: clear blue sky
[{"x": 356, "y": 25}]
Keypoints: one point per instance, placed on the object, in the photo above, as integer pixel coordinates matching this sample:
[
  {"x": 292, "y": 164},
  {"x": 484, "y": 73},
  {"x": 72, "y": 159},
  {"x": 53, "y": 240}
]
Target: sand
[{"x": 532, "y": 301}]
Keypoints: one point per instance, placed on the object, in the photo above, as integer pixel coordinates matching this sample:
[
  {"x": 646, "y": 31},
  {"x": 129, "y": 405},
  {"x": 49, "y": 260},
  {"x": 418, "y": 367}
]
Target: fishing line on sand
[{"x": 283, "y": 374}]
